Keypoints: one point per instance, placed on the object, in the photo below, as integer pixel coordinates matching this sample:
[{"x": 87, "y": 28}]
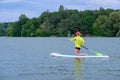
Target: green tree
[
  {"x": 17, "y": 27},
  {"x": 87, "y": 19},
  {"x": 2, "y": 31},
  {"x": 61, "y": 8},
  {"x": 10, "y": 31},
  {"x": 29, "y": 28},
  {"x": 114, "y": 23},
  {"x": 99, "y": 25}
]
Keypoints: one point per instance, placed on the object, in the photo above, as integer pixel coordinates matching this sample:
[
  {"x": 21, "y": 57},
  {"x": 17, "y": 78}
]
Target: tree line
[{"x": 65, "y": 22}]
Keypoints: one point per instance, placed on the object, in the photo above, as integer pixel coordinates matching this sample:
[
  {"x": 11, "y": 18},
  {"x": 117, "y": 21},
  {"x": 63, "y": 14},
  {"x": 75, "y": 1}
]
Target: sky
[{"x": 10, "y": 10}]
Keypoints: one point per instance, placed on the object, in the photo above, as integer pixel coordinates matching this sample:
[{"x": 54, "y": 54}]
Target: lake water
[{"x": 28, "y": 59}]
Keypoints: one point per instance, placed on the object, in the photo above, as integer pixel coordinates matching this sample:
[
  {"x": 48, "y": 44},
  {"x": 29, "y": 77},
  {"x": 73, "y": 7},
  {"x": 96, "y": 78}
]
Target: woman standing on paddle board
[{"x": 79, "y": 41}]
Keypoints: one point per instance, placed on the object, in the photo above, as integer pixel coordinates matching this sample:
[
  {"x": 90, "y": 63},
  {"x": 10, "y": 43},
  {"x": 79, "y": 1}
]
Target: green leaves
[
  {"x": 107, "y": 25},
  {"x": 65, "y": 22}
]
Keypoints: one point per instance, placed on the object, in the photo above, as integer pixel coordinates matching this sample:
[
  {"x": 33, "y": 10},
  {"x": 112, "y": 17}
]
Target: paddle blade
[{"x": 98, "y": 54}]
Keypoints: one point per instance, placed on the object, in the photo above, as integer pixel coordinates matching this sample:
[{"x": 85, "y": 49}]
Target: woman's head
[{"x": 77, "y": 33}]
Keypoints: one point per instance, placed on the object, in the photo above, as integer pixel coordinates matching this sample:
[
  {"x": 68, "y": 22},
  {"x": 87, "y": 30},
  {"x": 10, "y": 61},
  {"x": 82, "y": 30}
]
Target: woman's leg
[{"x": 77, "y": 52}]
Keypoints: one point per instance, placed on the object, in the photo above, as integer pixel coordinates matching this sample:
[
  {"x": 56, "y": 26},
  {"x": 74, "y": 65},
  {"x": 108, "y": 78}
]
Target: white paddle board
[{"x": 54, "y": 54}]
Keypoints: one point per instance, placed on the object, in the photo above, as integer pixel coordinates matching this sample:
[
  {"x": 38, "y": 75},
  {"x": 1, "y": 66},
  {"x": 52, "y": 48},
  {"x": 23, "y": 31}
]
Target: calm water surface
[{"x": 28, "y": 59}]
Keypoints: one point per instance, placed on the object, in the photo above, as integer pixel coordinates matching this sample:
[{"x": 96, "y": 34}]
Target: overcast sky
[{"x": 10, "y": 10}]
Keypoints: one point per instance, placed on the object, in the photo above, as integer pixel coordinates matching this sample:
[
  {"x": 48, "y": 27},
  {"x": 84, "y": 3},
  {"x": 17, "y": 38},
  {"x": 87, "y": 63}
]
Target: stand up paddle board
[{"x": 54, "y": 54}]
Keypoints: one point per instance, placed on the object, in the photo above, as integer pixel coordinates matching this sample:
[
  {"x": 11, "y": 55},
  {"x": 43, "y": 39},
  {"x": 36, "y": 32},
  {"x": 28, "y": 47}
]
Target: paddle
[{"x": 97, "y": 53}]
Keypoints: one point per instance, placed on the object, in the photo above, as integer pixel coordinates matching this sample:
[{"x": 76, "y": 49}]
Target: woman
[{"x": 79, "y": 41}]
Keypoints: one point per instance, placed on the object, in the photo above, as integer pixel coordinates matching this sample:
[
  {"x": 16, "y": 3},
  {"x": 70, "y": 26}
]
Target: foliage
[{"x": 65, "y": 22}]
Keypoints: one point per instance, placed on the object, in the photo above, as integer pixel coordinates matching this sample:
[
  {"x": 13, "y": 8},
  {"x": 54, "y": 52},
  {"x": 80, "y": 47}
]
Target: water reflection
[{"x": 77, "y": 71}]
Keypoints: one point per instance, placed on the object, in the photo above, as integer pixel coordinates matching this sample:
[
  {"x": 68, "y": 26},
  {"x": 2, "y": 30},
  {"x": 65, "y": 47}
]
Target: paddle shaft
[
  {"x": 97, "y": 53},
  {"x": 89, "y": 49}
]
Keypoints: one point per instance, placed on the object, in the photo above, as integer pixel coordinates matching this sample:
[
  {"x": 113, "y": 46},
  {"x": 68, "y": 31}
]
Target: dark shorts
[{"x": 77, "y": 48}]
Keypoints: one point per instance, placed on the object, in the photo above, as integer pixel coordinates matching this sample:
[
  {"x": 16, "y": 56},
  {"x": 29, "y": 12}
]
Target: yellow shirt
[{"x": 79, "y": 41}]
